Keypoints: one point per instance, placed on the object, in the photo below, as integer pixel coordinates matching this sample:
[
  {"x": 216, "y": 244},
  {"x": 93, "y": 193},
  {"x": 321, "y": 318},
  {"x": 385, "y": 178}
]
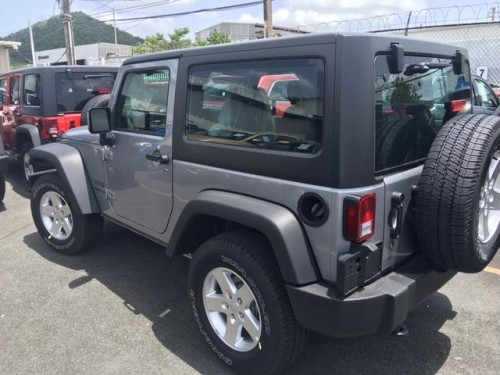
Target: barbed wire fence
[{"x": 475, "y": 27}]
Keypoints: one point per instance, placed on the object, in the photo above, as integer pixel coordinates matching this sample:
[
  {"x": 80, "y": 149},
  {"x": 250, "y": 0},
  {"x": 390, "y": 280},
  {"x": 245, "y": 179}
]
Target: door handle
[{"x": 156, "y": 156}]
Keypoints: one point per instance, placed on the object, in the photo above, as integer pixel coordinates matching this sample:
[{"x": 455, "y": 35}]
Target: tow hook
[{"x": 401, "y": 331}]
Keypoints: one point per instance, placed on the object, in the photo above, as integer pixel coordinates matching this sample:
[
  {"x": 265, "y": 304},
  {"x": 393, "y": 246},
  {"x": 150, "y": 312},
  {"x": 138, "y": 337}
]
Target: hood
[{"x": 80, "y": 134}]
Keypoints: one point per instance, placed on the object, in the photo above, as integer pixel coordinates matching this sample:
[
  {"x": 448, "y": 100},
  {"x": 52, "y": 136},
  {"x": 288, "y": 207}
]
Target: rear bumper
[{"x": 378, "y": 307}]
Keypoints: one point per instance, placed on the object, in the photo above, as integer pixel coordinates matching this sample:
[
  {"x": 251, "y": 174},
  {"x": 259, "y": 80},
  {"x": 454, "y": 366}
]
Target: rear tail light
[
  {"x": 458, "y": 105},
  {"x": 102, "y": 91},
  {"x": 51, "y": 127},
  {"x": 359, "y": 217}
]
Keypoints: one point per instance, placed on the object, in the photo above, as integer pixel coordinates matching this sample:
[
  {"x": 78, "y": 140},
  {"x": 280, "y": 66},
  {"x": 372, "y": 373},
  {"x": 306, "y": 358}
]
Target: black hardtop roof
[
  {"x": 64, "y": 68},
  {"x": 294, "y": 41}
]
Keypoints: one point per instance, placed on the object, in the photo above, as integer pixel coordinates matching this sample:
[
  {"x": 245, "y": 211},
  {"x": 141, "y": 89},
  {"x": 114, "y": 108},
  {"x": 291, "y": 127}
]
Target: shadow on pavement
[
  {"x": 15, "y": 176},
  {"x": 151, "y": 284}
]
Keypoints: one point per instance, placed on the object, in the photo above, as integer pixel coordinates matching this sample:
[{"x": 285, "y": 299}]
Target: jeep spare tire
[
  {"x": 95, "y": 102},
  {"x": 458, "y": 197}
]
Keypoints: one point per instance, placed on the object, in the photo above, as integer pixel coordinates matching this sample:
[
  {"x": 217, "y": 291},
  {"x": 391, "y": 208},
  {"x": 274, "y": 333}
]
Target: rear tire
[
  {"x": 56, "y": 217},
  {"x": 458, "y": 199},
  {"x": 266, "y": 336},
  {"x": 25, "y": 160}
]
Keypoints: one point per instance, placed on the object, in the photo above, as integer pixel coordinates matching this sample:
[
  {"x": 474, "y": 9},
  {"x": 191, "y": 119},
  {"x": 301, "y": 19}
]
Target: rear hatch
[{"x": 411, "y": 107}]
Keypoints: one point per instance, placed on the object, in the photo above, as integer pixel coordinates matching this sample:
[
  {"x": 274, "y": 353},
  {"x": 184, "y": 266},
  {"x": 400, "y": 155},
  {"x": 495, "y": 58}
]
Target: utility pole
[
  {"x": 68, "y": 30},
  {"x": 268, "y": 18},
  {"x": 32, "y": 44},
  {"x": 116, "y": 39}
]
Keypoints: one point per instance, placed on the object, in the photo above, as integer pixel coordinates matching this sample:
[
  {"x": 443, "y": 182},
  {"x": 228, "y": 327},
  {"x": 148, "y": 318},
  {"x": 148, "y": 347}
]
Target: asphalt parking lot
[{"x": 122, "y": 308}]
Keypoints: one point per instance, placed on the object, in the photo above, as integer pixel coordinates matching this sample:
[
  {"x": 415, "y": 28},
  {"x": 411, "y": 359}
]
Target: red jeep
[{"x": 38, "y": 104}]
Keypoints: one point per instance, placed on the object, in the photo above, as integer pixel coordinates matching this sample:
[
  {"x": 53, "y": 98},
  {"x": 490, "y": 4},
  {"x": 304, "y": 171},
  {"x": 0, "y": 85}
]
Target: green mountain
[{"x": 49, "y": 34}]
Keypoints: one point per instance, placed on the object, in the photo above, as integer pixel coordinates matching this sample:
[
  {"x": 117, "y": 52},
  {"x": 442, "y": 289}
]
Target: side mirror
[
  {"x": 99, "y": 120},
  {"x": 396, "y": 59},
  {"x": 459, "y": 63}
]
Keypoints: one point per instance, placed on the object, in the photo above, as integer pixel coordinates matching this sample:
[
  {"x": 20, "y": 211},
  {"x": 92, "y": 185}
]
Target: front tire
[
  {"x": 241, "y": 307},
  {"x": 56, "y": 217},
  {"x": 2, "y": 186}
]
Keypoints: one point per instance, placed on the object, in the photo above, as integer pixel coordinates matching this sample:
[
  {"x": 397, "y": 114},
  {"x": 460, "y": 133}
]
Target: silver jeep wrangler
[{"x": 322, "y": 183}]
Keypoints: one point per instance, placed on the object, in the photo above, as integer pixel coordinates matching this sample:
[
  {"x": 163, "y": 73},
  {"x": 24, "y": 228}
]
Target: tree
[
  {"x": 178, "y": 39},
  {"x": 152, "y": 43},
  {"x": 404, "y": 92},
  {"x": 158, "y": 43},
  {"x": 215, "y": 37}
]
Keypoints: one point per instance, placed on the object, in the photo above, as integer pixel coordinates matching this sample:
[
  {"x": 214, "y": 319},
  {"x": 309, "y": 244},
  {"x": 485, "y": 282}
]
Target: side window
[
  {"x": 14, "y": 90},
  {"x": 31, "y": 90},
  {"x": 412, "y": 106},
  {"x": 3, "y": 91},
  {"x": 143, "y": 102},
  {"x": 485, "y": 97},
  {"x": 273, "y": 104}
]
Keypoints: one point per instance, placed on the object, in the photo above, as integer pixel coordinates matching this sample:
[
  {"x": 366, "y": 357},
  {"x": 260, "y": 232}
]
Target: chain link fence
[
  {"x": 475, "y": 27},
  {"x": 482, "y": 40}
]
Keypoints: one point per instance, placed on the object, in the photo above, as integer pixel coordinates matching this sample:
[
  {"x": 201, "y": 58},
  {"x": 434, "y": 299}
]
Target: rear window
[
  {"x": 412, "y": 106},
  {"x": 75, "y": 90}
]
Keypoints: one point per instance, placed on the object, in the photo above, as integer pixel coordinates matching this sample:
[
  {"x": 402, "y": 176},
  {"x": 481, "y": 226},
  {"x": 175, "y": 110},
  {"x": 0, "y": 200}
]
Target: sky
[{"x": 317, "y": 15}]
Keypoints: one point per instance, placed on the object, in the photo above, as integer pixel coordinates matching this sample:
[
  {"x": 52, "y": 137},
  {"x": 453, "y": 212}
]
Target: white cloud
[
  {"x": 249, "y": 18},
  {"x": 326, "y": 14}
]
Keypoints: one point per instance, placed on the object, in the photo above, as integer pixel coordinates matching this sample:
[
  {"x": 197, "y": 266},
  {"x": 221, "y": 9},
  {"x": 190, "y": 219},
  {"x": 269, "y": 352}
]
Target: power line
[
  {"x": 228, "y": 7},
  {"x": 131, "y": 8}
]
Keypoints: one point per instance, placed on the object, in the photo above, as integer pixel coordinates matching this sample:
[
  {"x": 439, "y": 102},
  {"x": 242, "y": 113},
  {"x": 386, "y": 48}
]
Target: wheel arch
[
  {"x": 27, "y": 133},
  {"x": 215, "y": 212},
  {"x": 67, "y": 162}
]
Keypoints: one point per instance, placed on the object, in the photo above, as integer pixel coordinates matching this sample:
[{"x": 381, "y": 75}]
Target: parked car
[
  {"x": 339, "y": 217},
  {"x": 39, "y": 104},
  {"x": 484, "y": 98}
]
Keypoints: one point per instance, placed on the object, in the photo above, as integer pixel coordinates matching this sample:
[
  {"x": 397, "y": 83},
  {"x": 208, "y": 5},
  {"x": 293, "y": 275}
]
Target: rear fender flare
[
  {"x": 277, "y": 223},
  {"x": 29, "y": 131}
]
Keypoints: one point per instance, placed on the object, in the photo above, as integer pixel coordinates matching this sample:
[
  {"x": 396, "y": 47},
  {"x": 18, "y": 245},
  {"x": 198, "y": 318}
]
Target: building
[
  {"x": 107, "y": 54},
  {"x": 4, "y": 54},
  {"x": 239, "y": 32}
]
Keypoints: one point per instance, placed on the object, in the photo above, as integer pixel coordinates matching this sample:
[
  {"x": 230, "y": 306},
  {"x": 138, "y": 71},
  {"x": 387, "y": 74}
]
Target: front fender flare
[
  {"x": 69, "y": 165},
  {"x": 277, "y": 223}
]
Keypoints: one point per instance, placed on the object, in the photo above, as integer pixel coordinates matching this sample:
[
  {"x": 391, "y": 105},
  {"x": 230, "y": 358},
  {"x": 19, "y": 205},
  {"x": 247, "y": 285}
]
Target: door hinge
[
  {"x": 107, "y": 154},
  {"x": 110, "y": 195}
]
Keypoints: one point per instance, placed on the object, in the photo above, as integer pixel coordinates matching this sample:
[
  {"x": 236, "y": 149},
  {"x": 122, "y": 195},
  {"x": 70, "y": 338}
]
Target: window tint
[
  {"x": 14, "y": 90},
  {"x": 485, "y": 97},
  {"x": 276, "y": 105},
  {"x": 3, "y": 91},
  {"x": 412, "y": 106},
  {"x": 143, "y": 102},
  {"x": 75, "y": 90}
]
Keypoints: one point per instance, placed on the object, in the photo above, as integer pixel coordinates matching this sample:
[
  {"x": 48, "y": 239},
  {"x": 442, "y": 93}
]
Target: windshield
[{"x": 74, "y": 91}]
